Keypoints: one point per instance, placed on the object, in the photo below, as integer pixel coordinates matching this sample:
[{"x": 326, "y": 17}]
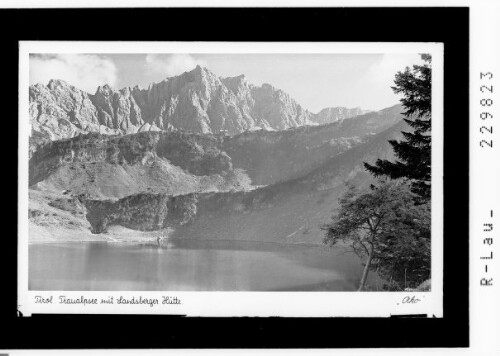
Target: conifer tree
[{"x": 413, "y": 152}]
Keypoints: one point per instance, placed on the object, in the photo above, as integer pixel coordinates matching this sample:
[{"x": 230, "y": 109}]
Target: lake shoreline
[
  {"x": 153, "y": 240},
  {"x": 119, "y": 234}
]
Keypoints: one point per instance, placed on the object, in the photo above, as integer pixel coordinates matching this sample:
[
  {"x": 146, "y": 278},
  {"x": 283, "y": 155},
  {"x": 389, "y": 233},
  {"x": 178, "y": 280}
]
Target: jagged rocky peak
[
  {"x": 206, "y": 79},
  {"x": 105, "y": 90},
  {"x": 200, "y": 78},
  {"x": 57, "y": 88},
  {"x": 203, "y": 73},
  {"x": 197, "y": 75},
  {"x": 236, "y": 84},
  {"x": 55, "y": 84}
]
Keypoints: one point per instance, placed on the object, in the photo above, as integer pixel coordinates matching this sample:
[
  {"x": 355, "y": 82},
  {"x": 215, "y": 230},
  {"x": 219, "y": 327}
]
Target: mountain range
[
  {"x": 187, "y": 155},
  {"x": 196, "y": 101}
]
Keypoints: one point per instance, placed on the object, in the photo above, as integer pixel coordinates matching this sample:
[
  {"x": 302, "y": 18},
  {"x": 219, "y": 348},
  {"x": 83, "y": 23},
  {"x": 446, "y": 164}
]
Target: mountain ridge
[
  {"x": 179, "y": 162},
  {"x": 197, "y": 101}
]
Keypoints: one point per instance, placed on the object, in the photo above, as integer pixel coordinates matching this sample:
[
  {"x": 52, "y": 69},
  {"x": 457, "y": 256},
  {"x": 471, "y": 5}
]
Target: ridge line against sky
[{"x": 315, "y": 81}]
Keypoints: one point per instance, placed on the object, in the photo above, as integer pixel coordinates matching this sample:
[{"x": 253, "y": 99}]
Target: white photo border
[{"x": 230, "y": 304}]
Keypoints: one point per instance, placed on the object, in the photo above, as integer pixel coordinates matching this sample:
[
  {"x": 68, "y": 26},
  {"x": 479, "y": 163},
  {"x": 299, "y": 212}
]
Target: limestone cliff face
[
  {"x": 196, "y": 101},
  {"x": 201, "y": 102},
  {"x": 117, "y": 109},
  {"x": 278, "y": 109},
  {"x": 60, "y": 110}
]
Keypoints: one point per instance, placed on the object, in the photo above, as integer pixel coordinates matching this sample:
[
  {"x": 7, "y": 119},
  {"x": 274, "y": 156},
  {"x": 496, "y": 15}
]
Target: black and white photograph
[
  {"x": 234, "y": 169},
  {"x": 271, "y": 176}
]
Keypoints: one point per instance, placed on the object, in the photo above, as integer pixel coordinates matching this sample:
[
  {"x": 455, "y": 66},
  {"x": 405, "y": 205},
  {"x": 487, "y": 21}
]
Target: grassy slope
[{"x": 104, "y": 180}]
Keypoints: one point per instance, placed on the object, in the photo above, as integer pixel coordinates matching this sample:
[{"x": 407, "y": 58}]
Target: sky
[{"x": 315, "y": 81}]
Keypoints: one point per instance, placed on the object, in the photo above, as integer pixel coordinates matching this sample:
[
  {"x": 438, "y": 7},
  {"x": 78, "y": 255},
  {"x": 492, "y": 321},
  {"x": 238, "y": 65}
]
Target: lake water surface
[{"x": 191, "y": 265}]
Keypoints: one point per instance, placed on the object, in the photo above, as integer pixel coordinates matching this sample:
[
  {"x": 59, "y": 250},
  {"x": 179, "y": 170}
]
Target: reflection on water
[{"x": 191, "y": 265}]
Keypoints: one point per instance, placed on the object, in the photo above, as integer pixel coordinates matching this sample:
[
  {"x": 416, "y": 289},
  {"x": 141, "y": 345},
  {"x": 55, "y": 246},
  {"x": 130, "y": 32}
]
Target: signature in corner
[{"x": 410, "y": 300}]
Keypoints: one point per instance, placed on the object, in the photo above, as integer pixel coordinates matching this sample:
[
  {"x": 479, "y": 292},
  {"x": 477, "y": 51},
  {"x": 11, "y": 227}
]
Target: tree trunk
[{"x": 365, "y": 271}]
